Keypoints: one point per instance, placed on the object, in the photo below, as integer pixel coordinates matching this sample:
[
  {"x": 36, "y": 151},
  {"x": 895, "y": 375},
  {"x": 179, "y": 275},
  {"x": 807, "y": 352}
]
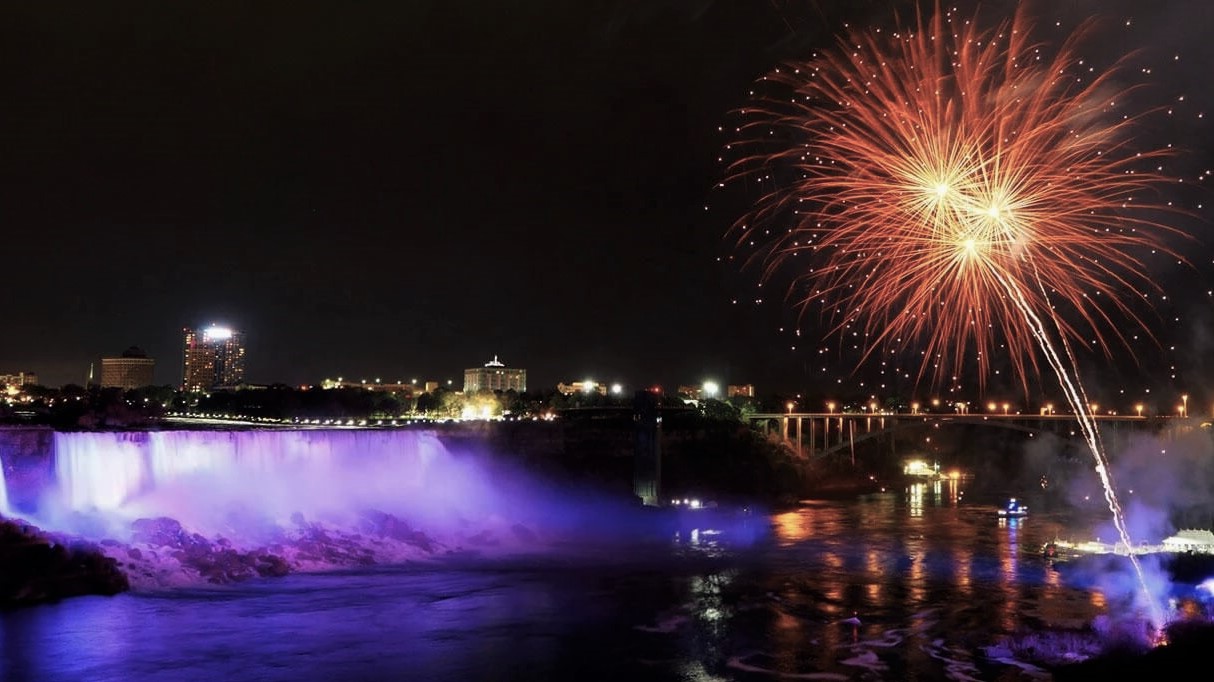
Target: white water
[
  {"x": 4, "y": 511},
  {"x": 315, "y": 499},
  {"x": 203, "y": 478}
]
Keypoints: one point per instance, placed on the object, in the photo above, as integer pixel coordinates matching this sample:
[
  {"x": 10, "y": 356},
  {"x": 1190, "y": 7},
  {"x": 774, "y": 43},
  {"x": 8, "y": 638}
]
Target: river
[{"x": 921, "y": 583}]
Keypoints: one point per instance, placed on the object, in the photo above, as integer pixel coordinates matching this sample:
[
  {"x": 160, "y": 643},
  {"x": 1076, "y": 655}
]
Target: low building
[
  {"x": 495, "y": 376},
  {"x": 400, "y": 388},
  {"x": 133, "y": 369},
  {"x": 740, "y": 390},
  {"x": 19, "y": 379},
  {"x": 582, "y": 387}
]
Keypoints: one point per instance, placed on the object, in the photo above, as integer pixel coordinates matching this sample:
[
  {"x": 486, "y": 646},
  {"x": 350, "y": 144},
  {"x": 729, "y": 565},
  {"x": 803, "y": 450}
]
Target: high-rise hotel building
[
  {"x": 495, "y": 376},
  {"x": 213, "y": 357}
]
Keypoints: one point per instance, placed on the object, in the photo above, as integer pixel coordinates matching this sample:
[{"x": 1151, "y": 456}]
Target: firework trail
[{"x": 957, "y": 188}]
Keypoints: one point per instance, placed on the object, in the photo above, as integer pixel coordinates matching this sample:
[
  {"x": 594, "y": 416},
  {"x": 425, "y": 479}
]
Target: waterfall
[
  {"x": 202, "y": 478},
  {"x": 208, "y": 505},
  {"x": 4, "y": 510}
]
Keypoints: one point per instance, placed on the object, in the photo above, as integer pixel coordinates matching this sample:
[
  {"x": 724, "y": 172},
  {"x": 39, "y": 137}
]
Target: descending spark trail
[
  {"x": 956, "y": 182},
  {"x": 1077, "y": 397}
]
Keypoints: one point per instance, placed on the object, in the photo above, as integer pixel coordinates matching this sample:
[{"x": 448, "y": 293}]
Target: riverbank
[
  {"x": 1188, "y": 650},
  {"x": 37, "y": 567}
]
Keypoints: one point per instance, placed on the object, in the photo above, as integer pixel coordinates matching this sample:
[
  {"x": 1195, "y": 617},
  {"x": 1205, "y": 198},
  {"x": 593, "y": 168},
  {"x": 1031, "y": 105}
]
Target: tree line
[{"x": 74, "y": 406}]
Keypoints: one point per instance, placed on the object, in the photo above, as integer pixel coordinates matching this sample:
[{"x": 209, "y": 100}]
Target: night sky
[{"x": 405, "y": 189}]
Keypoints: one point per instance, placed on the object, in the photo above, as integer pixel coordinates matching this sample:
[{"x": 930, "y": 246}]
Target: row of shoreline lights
[{"x": 1182, "y": 410}]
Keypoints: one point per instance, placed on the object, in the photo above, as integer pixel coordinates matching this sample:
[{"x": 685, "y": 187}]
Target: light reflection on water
[{"x": 893, "y": 586}]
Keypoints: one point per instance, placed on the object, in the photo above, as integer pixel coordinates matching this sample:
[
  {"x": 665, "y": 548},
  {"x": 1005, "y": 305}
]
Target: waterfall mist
[{"x": 233, "y": 483}]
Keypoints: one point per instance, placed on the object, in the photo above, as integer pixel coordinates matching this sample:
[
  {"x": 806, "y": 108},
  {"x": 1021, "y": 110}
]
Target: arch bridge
[{"x": 819, "y": 434}]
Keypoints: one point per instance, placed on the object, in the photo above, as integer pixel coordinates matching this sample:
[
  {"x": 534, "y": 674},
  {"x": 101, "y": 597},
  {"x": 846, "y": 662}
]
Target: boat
[{"x": 1013, "y": 509}]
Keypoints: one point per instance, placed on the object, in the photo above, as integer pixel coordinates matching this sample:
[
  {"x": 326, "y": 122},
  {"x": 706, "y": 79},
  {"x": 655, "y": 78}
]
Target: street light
[
  {"x": 1138, "y": 408},
  {"x": 914, "y": 408},
  {"x": 1005, "y": 406},
  {"x": 1185, "y": 401},
  {"x": 830, "y": 407},
  {"x": 789, "y": 407}
]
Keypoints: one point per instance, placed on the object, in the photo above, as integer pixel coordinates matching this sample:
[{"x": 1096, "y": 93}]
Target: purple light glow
[
  {"x": 4, "y": 510},
  {"x": 201, "y": 478},
  {"x": 318, "y": 499}
]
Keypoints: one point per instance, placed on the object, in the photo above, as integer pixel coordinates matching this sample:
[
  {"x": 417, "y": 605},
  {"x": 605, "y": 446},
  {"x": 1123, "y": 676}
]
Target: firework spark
[
  {"x": 958, "y": 188},
  {"x": 945, "y": 177}
]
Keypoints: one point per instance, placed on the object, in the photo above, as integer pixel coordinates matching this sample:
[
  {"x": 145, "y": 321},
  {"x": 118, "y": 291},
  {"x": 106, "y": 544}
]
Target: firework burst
[{"x": 951, "y": 186}]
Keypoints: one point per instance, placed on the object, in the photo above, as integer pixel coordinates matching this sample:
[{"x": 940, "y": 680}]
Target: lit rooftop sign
[{"x": 216, "y": 333}]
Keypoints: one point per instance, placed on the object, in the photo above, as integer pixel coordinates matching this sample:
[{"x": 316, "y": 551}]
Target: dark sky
[{"x": 403, "y": 189}]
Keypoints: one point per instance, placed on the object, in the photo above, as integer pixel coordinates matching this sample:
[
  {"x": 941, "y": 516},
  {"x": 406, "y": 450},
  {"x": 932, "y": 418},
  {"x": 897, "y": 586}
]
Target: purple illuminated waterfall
[
  {"x": 205, "y": 478},
  {"x": 183, "y": 507},
  {"x": 4, "y": 510}
]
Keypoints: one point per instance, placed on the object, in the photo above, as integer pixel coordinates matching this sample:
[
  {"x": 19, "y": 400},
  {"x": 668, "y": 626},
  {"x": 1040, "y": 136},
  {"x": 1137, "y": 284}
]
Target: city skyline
[{"x": 413, "y": 189}]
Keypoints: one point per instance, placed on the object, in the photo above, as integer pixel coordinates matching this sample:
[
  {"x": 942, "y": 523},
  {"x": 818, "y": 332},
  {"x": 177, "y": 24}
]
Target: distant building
[
  {"x": 133, "y": 369},
  {"x": 710, "y": 389},
  {"x": 582, "y": 387},
  {"x": 740, "y": 390},
  {"x": 692, "y": 392},
  {"x": 407, "y": 390},
  {"x": 214, "y": 356},
  {"x": 19, "y": 379},
  {"x": 495, "y": 376}
]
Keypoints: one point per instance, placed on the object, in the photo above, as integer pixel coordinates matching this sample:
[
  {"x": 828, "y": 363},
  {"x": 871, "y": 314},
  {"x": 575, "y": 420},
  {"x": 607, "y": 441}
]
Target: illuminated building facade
[
  {"x": 495, "y": 376},
  {"x": 407, "y": 390},
  {"x": 740, "y": 390},
  {"x": 19, "y": 379},
  {"x": 581, "y": 387},
  {"x": 214, "y": 356},
  {"x": 134, "y": 369}
]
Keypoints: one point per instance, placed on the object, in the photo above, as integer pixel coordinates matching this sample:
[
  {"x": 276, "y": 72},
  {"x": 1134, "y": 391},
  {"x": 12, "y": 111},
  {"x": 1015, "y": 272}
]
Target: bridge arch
[{"x": 860, "y": 427}]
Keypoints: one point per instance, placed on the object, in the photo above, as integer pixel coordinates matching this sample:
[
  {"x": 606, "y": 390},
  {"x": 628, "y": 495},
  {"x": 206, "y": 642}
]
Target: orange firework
[{"x": 952, "y": 184}]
